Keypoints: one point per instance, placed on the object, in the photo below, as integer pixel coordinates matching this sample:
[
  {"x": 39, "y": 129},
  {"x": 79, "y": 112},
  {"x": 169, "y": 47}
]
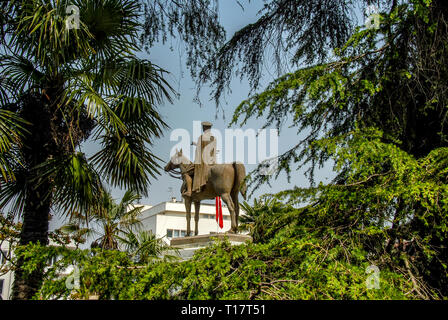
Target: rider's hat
[{"x": 206, "y": 124}]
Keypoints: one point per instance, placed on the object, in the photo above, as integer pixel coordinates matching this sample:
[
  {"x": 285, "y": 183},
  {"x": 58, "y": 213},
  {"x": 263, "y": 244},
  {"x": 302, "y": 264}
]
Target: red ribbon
[{"x": 218, "y": 206}]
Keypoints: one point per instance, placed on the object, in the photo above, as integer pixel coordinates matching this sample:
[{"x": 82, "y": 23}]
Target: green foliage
[
  {"x": 66, "y": 85},
  {"x": 317, "y": 251},
  {"x": 377, "y": 110},
  {"x": 305, "y": 267},
  {"x": 292, "y": 31},
  {"x": 385, "y": 201},
  {"x": 70, "y": 85},
  {"x": 9, "y": 233},
  {"x": 110, "y": 221},
  {"x": 143, "y": 246},
  {"x": 372, "y": 80},
  {"x": 264, "y": 218},
  {"x": 11, "y": 129}
]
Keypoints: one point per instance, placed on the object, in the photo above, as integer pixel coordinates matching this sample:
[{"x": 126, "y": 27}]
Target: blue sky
[{"x": 184, "y": 110}]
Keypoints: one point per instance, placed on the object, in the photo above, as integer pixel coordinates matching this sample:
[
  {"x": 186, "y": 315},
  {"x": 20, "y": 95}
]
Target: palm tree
[
  {"x": 115, "y": 220},
  {"x": 78, "y": 229},
  {"x": 265, "y": 217},
  {"x": 143, "y": 246},
  {"x": 70, "y": 85},
  {"x": 117, "y": 227}
]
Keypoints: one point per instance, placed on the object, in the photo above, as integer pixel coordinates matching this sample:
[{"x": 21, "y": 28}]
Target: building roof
[{"x": 179, "y": 207}]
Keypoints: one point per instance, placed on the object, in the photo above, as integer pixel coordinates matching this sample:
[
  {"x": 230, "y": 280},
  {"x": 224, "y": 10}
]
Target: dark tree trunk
[
  {"x": 34, "y": 229},
  {"x": 37, "y": 148}
]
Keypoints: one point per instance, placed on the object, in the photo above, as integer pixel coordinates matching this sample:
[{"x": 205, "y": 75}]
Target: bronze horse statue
[{"x": 223, "y": 180}]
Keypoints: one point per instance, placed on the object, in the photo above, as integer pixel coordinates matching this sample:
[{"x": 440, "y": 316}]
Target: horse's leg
[
  {"x": 228, "y": 200},
  {"x": 197, "y": 205},
  {"x": 188, "y": 209}
]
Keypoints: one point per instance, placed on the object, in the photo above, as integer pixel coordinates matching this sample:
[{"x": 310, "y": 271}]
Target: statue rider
[{"x": 205, "y": 156}]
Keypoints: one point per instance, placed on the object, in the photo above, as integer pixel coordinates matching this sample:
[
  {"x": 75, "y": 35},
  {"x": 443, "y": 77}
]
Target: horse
[{"x": 223, "y": 180}]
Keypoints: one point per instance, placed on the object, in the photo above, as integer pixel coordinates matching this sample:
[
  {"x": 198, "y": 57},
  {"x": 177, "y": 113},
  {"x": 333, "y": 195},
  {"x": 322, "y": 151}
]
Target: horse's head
[{"x": 175, "y": 161}]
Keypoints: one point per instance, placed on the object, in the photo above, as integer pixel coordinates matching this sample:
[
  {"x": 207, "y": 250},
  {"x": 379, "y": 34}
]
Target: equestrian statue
[{"x": 205, "y": 179}]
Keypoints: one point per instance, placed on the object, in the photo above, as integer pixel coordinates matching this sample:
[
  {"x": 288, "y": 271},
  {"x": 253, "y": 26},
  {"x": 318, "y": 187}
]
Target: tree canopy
[
  {"x": 376, "y": 106},
  {"x": 65, "y": 84},
  {"x": 371, "y": 99}
]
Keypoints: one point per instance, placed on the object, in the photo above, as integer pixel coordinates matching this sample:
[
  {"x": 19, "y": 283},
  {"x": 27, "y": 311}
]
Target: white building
[
  {"x": 7, "y": 278},
  {"x": 169, "y": 219}
]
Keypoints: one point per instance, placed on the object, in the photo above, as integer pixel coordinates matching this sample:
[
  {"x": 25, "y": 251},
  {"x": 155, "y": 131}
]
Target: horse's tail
[{"x": 240, "y": 175}]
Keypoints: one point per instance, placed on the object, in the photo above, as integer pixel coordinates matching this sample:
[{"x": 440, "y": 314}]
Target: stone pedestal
[{"x": 188, "y": 245}]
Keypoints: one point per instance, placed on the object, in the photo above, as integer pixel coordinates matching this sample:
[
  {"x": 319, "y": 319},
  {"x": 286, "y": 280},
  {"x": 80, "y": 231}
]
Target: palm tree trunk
[
  {"x": 34, "y": 229},
  {"x": 37, "y": 148}
]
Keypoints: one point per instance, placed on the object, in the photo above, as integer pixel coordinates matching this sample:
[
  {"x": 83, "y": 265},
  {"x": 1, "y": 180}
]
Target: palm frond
[
  {"x": 113, "y": 25},
  {"x": 91, "y": 71},
  {"x": 78, "y": 187},
  {"x": 77, "y": 231},
  {"x": 12, "y": 192},
  {"x": 82, "y": 94},
  {"x": 19, "y": 73},
  {"x": 12, "y": 128},
  {"x": 139, "y": 78},
  {"x": 42, "y": 34},
  {"x": 115, "y": 220},
  {"x": 143, "y": 246},
  {"x": 126, "y": 162}
]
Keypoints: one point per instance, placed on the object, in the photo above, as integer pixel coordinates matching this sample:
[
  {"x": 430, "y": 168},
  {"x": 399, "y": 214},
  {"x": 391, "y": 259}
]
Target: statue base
[{"x": 187, "y": 245}]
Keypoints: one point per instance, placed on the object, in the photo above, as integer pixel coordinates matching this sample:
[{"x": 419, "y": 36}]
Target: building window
[
  {"x": 173, "y": 233},
  {"x": 1, "y": 286}
]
